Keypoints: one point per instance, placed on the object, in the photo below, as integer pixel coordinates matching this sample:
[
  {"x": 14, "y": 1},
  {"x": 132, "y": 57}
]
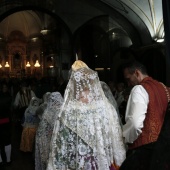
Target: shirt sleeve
[
  {"x": 32, "y": 94},
  {"x": 16, "y": 101},
  {"x": 135, "y": 113}
]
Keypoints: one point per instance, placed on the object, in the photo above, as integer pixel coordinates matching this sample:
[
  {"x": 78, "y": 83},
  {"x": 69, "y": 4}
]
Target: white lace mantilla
[{"x": 87, "y": 135}]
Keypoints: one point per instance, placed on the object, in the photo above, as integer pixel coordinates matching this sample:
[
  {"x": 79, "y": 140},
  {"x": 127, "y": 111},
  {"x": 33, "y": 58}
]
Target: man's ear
[{"x": 137, "y": 72}]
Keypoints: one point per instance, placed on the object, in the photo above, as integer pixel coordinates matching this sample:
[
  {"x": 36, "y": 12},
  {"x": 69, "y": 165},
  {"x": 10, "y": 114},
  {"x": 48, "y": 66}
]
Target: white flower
[
  {"x": 82, "y": 149},
  {"x": 77, "y": 76}
]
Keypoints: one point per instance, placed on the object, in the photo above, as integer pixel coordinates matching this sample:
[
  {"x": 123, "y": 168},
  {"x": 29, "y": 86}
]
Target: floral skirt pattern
[
  {"x": 66, "y": 145},
  {"x": 28, "y": 139},
  {"x": 42, "y": 144}
]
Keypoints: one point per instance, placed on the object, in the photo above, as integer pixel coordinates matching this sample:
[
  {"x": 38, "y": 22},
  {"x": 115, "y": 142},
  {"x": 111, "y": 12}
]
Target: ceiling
[
  {"x": 141, "y": 19},
  {"x": 149, "y": 11},
  {"x": 29, "y": 22},
  {"x": 25, "y": 21},
  {"x": 137, "y": 11},
  {"x": 128, "y": 17}
]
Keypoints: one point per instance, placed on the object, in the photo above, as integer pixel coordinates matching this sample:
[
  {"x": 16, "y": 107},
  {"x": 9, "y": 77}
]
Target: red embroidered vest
[{"x": 155, "y": 112}]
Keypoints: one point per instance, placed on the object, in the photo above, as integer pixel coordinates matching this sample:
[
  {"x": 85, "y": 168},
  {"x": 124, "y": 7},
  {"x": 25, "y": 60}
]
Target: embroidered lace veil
[{"x": 87, "y": 134}]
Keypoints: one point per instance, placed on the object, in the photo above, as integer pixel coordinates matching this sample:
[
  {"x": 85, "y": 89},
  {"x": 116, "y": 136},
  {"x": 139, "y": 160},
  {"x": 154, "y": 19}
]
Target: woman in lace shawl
[
  {"x": 30, "y": 125},
  {"x": 110, "y": 97},
  {"x": 44, "y": 132},
  {"x": 87, "y": 134},
  {"x": 43, "y": 106}
]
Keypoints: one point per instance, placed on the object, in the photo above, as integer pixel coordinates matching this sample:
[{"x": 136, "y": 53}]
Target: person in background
[
  {"x": 22, "y": 100},
  {"x": 112, "y": 87},
  {"x": 109, "y": 95},
  {"x": 42, "y": 86},
  {"x": 119, "y": 93},
  {"x": 43, "y": 105},
  {"x": 30, "y": 125},
  {"x": 87, "y": 133},
  {"x": 122, "y": 107},
  {"x": 45, "y": 130},
  {"x": 5, "y": 125},
  {"x": 144, "y": 117}
]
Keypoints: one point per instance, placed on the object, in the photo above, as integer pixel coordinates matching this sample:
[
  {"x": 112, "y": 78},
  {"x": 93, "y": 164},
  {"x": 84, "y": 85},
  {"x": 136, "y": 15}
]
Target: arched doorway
[{"x": 94, "y": 42}]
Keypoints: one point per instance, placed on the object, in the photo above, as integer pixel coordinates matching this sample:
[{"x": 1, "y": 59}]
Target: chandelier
[
  {"x": 7, "y": 64},
  {"x": 36, "y": 64},
  {"x": 44, "y": 31}
]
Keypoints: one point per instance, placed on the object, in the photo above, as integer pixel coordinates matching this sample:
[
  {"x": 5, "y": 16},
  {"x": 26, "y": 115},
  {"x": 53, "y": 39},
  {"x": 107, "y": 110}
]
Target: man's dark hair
[
  {"x": 133, "y": 65},
  {"x": 24, "y": 84}
]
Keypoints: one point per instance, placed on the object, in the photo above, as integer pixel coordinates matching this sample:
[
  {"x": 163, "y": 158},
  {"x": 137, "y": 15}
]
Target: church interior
[{"x": 42, "y": 38}]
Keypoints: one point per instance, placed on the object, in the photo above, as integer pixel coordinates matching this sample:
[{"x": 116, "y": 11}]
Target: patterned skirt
[{"x": 28, "y": 139}]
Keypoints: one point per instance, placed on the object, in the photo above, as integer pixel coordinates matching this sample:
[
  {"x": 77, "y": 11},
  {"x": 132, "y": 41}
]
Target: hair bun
[{"x": 78, "y": 64}]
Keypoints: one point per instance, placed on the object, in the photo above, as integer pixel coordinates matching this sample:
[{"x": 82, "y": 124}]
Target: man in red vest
[{"x": 144, "y": 116}]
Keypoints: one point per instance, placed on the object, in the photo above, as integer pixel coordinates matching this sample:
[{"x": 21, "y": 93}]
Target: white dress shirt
[
  {"x": 23, "y": 101},
  {"x": 135, "y": 113}
]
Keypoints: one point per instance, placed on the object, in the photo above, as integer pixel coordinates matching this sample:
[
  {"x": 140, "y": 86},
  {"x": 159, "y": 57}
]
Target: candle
[{"x": 77, "y": 57}]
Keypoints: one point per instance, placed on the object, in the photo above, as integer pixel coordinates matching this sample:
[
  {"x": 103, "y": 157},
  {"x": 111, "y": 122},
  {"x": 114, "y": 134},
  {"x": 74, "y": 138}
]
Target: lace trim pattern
[{"x": 87, "y": 134}]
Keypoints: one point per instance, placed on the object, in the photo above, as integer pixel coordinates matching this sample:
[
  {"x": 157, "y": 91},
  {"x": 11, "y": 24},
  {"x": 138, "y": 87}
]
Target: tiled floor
[{"x": 20, "y": 160}]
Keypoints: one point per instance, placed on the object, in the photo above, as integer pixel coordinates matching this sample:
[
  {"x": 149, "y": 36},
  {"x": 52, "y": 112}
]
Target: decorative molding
[{"x": 151, "y": 4}]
